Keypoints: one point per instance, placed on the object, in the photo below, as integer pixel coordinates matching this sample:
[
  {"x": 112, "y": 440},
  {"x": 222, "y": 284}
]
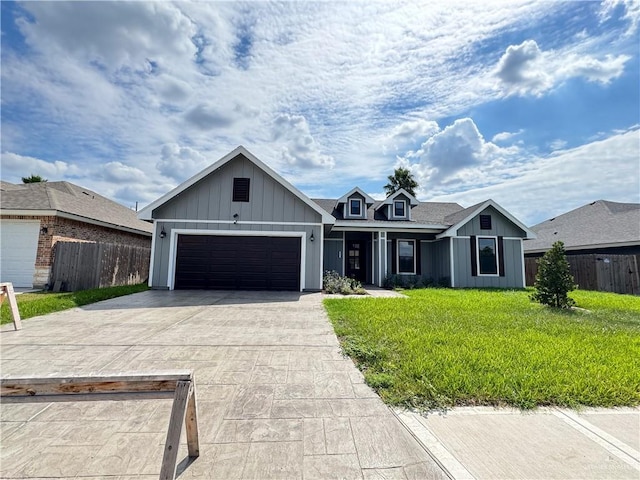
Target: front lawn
[
  {"x": 41, "y": 303},
  {"x": 446, "y": 347}
]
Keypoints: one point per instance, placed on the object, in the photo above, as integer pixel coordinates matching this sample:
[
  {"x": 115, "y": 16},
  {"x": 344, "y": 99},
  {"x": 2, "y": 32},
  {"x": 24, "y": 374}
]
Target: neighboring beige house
[{"x": 34, "y": 216}]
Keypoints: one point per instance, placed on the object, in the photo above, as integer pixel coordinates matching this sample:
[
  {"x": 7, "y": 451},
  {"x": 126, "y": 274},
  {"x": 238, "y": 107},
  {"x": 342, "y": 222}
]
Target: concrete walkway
[
  {"x": 548, "y": 443},
  {"x": 276, "y": 398}
]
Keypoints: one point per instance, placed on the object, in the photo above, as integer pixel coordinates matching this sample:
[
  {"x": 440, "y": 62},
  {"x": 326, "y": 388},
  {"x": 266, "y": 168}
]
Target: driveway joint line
[{"x": 621, "y": 450}]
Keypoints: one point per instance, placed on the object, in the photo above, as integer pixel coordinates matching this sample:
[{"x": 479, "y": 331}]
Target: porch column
[{"x": 382, "y": 256}]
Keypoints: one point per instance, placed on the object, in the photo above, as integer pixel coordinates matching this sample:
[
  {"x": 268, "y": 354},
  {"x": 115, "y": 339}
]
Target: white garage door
[{"x": 18, "y": 248}]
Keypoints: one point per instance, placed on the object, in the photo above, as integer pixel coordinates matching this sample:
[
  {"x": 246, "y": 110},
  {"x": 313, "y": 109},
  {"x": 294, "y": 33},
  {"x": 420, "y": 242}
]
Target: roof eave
[
  {"x": 71, "y": 216},
  {"x": 146, "y": 212}
]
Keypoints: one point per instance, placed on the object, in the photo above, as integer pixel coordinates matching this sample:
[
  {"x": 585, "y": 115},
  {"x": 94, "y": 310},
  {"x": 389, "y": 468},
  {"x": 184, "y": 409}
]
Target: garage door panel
[
  {"x": 238, "y": 262},
  {"x": 18, "y": 248}
]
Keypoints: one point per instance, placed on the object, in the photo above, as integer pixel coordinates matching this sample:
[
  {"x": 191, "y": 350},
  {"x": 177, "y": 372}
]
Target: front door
[{"x": 356, "y": 260}]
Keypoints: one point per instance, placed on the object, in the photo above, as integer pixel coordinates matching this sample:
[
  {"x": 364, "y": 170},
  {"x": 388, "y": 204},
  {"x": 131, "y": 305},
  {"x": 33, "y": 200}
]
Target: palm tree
[
  {"x": 33, "y": 179},
  {"x": 401, "y": 178}
]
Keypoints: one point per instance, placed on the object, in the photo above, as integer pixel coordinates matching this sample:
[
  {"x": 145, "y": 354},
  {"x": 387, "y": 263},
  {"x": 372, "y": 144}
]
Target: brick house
[{"x": 34, "y": 216}]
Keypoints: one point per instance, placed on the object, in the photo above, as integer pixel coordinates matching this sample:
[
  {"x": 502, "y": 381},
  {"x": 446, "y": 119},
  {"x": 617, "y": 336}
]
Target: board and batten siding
[
  {"x": 333, "y": 248},
  {"x": 210, "y": 200},
  {"x": 514, "y": 274},
  {"x": 500, "y": 226}
]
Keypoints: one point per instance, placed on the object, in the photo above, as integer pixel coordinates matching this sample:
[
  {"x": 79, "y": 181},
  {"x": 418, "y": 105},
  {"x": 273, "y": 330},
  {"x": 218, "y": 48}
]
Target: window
[
  {"x": 485, "y": 222},
  {"x": 407, "y": 256},
  {"x": 398, "y": 208},
  {"x": 487, "y": 256},
  {"x": 240, "y": 189},
  {"x": 355, "y": 207}
]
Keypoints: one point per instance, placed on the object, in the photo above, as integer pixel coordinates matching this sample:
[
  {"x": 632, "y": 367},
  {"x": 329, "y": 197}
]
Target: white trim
[
  {"x": 451, "y": 231},
  {"x": 146, "y": 212},
  {"x": 389, "y": 200},
  {"x": 524, "y": 277},
  {"x": 344, "y": 253},
  {"x": 173, "y": 251},
  {"x": 413, "y": 240},
  {"x": 452, "y": 263},
  {"x": 353, "y": 225},
  {"x": 404, "y": 208},
  {"x": 71, "y": 216},
  {"x": 382, "y": 242},
  {"x": 495, "y": 239},
  {"x": 469, "y": 236},
  {"x": 321, "y": 255},
  {"x": 238, "y": 222},
  {"x": 332, "y": 239},
  {"x": 373, "y": 260},
  {"x": 348, "y": 207},
  {"x": 345, "y": 197}
]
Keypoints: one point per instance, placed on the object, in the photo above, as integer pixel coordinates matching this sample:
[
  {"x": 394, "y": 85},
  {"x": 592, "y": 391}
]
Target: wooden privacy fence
[
  {"x": 606, "y": 273},
  {"x": 83, "y": 265},
  {"x": 179, "y": 385}
]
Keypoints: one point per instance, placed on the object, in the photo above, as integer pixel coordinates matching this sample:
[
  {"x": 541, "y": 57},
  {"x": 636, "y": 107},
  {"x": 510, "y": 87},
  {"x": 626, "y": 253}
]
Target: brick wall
[{"x": 63, "y": 229}]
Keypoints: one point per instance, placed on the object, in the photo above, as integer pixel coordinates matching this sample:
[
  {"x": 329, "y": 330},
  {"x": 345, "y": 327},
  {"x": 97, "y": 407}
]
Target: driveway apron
[{"x": 276, "y": 398}]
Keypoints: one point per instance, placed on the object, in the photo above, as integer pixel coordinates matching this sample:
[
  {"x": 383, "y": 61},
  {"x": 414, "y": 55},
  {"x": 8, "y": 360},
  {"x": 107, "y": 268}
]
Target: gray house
[{"x": 240, "y": 225}]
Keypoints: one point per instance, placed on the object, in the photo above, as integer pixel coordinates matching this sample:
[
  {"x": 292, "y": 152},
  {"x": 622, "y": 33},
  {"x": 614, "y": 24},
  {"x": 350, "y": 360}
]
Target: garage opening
[{"x": 218, "y": 262}]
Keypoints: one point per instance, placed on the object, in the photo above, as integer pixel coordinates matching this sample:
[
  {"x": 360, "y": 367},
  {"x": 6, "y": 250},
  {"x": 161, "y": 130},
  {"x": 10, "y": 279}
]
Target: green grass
[
  {"x": 41, "y": 303},
  {"x": 446, "y": 347}
]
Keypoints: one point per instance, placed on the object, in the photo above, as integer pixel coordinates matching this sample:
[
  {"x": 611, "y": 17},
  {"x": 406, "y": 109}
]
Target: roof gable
[
  {"x": 146, "y": 212},
  {"x": 459, "y": 219},
  {"x": 389, "y": 200},
  {"x": 367, "y": 199}
]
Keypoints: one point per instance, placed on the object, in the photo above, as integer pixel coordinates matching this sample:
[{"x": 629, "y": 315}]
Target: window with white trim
[
  {"x": 399, "y": 208},
  {"x": 407, "y": 256},
  {"x": 487, "y": 256},
  {"x": 355, "y": 207}
]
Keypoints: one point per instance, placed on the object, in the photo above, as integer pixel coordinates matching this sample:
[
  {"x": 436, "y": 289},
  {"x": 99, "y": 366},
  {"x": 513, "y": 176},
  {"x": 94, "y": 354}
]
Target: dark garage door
[{"x": 237, "y": 263}]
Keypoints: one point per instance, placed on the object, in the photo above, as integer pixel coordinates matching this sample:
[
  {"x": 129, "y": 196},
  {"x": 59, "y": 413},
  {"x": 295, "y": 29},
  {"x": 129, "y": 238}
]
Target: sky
[{"x": 534, "y": 104}]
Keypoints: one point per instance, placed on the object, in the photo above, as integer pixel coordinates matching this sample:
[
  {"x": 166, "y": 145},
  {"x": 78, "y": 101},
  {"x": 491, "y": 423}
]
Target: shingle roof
[
  {"x": 72, "y": 199},
  {"x": 427, "y": 213},
  {"x": 596, "y": 224}
]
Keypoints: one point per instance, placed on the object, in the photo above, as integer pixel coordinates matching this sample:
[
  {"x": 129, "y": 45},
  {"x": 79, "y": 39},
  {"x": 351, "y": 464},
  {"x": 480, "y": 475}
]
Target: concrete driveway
[{"x": 276, "y": 398}]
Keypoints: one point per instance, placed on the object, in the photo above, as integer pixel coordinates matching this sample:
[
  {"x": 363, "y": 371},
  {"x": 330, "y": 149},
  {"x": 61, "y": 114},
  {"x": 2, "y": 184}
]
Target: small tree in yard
[{"x": 553, "y": 280}]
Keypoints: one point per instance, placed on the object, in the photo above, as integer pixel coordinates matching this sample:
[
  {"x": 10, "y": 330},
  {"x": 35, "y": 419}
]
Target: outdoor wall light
[
  {"x": 44, "y": 230},
  {"x": 235, "y": 218},
  {"x": 312, "y": 238},
  {"x": 163, "y": 233}
]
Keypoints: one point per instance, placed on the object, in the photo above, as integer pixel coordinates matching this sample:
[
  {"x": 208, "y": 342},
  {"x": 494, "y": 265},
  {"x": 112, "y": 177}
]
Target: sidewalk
[{"x": 549, "y": 443}]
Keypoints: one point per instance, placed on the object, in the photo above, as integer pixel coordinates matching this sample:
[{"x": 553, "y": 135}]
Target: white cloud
[
  {"x": 300, "y": 149},
  {"x": 115, "y": 35},
  {"x": 525, "y": 69},
  {"x": 15, "y": 166},
  {"x": 410, "y": 132},
  {"x": 631, "y": 12},
  {"x": 546, "y": 186},
  {"x": 453, "y": 154},
  {"x": 558, "y": 144},
  {"x": 118, "y": 172},
  {"x": 179, "y": 162},
  {"x": 505, "y": 136}
]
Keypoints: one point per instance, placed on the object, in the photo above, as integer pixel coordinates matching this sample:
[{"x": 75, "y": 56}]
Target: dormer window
[
  {"x": 399, "y": 208},
  {"x": 355, "y": 207}
]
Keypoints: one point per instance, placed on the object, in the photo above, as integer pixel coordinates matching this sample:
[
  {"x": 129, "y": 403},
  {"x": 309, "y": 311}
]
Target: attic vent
[
  {"x": 240, "y": 189},
  {"x": 485, "y": 222}
]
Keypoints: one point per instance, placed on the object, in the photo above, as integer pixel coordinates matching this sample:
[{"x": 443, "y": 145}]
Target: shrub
[
  {"x": 408, "y": 281},
  {"x": 333, "y": 282},
  {"x": 554, "y": 280}
]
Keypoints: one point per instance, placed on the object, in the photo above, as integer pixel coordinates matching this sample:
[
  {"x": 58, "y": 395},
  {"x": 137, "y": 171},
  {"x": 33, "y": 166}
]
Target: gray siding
[
  {"x": 512, "y": 261},
  {"x": 363, "y": 212},
  {"x": 333, "y": 255},
  {"x": 441, "y": 261},
  {"x": 210, "y": 199},
  {"x": 500, "y": 225}
]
